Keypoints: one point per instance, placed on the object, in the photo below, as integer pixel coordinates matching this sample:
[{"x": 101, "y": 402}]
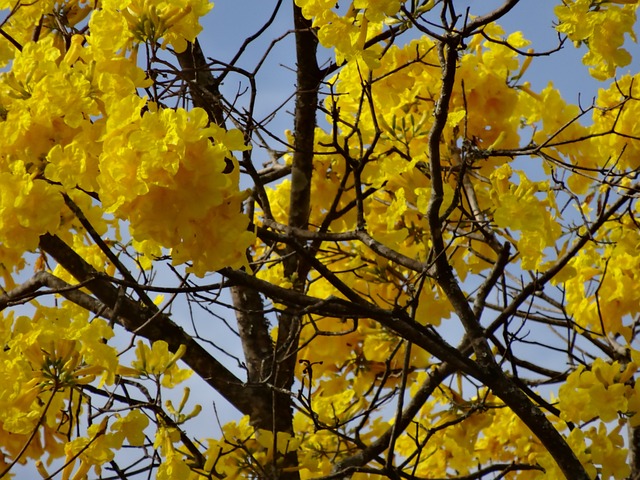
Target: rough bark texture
[
  {"x": 151, "y": 324},
  {"x": 273, "y": 408},
  {"x": 299, "y": 202},
  {"x": 634, "y": 453},
  {"x": 306, "y": 99},
  {"x": 442, "y": 271},
  {"x": 203, "y": 86}
]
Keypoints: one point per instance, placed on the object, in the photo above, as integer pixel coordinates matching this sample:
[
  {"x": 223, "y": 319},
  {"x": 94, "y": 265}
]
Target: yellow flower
[
  {"x": 602, "y": 27},
  {"x": 132, "y": 427},
  {"x": 158, "y": 361}
]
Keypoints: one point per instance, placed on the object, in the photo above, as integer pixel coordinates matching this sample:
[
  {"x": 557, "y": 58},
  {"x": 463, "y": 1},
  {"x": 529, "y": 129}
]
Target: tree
[{"x": 435, "y": 274}]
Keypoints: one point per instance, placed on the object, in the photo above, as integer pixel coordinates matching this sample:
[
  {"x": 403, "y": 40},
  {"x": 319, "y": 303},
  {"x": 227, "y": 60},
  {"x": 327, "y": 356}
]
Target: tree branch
[
  {"x": 153, "y": 325},
  {"x": 501, "y": 385}
]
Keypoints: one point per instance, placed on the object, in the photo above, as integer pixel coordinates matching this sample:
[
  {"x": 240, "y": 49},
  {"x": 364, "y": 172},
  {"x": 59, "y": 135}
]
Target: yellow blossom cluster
[
  {"x": 602, "y": 27},
  {"x": 616, "y": 113},
  {"x": 243, "y": 450},
  {"x": 73, "y": 122},
  {"x": 607, "y": 393},
  {"x": 76, "y": 130},
  {"x": 519, "y": 209},
  {"x": 347, "y": 34},
  {"x": 602, "y": 284},
  {"x": 453, "y": 432},
  {"x": 393, "y": 110},
  {"x": 603, "y": 391},
  {"x": 380, "y": 112},
  {"x": 46, "y": 359}
]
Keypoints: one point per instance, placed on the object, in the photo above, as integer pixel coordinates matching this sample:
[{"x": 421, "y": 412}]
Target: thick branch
[
  {"x": 397, "y": 321},
  {"x": 308, "y": 81},
  {"x": 480, "y": 22},
  {"x": 634, "y": 453},
  {"x": 253, "y": 326},
  {"x": 153, "y": 325},
  {"x": 254, "y": 332},
  {"x": 203, "y": 86},
  {"x": 31, "y": 288},
  {"x": 499, "y": 383}
]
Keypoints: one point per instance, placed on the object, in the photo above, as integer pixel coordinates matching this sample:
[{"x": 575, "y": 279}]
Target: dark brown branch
[
  {"x": 253, "y": 326},
  {"x": 11, "y": 40},
  {"x": 483, "y": 20},
  {"x": 203, "y": 86},
  {"x": 377, "y": 247},
  {"x": 501, "y": 385},
  {"x": 77, "y": 211},
  {"x": 634, "y": 452},
  {"x": 152, "y": 325},
  {"x": 395, "y": 320},
  {"x": 489, "y": 283},
  {"x": 308, "y": 82},
  {"x": 31, "y": 288}
]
